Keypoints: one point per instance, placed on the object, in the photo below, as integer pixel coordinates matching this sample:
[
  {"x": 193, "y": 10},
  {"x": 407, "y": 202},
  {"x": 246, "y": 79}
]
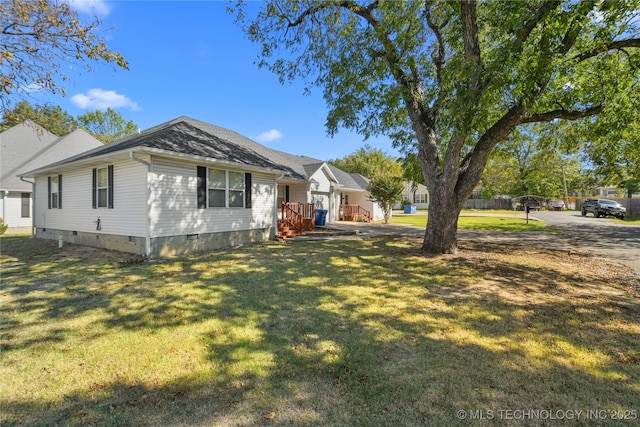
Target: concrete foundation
[
  {"x": 131, "y": 244},
  {"x": 160, "y": 246},
  {"x": 180, "y": 245}
]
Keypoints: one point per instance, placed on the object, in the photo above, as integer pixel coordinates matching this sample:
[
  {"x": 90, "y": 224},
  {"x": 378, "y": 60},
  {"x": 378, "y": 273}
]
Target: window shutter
[
  {"x": 247, "y": 190},
  {"x": 202, "y": 187},
  {"x": 95, "y": 188},
  {"x": 286, "y": 193},
  {"x": 59, "y": 191},
  {"x": 49, "y": 192},
  {"x": 110, "y": 184}
]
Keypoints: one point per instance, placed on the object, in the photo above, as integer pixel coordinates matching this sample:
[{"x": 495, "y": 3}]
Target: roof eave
[{"x": 124, "y": 154}]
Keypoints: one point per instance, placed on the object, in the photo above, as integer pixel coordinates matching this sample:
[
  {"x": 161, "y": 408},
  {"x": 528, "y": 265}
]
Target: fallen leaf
[
  {"x": 270, "y": 415},
  {"x": 81, "y": 413}
]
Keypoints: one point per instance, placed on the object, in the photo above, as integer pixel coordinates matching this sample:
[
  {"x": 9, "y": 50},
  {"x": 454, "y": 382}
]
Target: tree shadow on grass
[{"x": 351, "y": 333}]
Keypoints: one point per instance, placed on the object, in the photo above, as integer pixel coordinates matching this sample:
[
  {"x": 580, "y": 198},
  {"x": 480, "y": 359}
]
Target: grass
[
  {"x": 503, "y": 222},
  {"x": 627, "y": 220},
  {"x": 335, "y": 332}
]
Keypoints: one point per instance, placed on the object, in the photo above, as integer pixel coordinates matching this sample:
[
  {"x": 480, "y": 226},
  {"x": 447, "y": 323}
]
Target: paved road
[{"x": 619, "y": 242}]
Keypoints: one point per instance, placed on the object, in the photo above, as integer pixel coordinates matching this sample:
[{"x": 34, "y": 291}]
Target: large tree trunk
[{"x": 441, "y": 235}]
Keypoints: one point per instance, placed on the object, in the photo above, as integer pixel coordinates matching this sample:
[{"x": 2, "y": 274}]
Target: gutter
[
  {"x": 33, "y": 205},
  {"x": 147, "y": 244}
]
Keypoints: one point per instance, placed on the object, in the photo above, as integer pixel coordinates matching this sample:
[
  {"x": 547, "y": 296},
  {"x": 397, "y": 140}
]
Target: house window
[
  {"x": 54, "y": 191},
  {"x": 103, "y": 187},
  {"x": 236, "y": 189},
  {"x": 26, "y": 205},
  {"x": 421, "y": 198},
  {"x": 219, "y": 188},
  {"x": 226, "y": 189}
]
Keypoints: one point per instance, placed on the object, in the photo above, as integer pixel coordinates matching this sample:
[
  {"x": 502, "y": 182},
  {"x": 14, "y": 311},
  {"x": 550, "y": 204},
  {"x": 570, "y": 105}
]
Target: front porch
[
  {"x": 355, "y": 213},
  {"x": 295, "y": 218}
]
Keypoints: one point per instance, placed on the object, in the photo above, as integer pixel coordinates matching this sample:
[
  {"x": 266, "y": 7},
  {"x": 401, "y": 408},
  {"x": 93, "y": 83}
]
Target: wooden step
[{"x": 285, "y": 232}]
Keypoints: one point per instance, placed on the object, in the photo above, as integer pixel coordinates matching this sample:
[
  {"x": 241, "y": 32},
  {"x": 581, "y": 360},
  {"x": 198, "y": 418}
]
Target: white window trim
[
  {"x": 105, "y": 188},
  {"x": 55, "y": 182},
  {"x": 227, "y": 189}
]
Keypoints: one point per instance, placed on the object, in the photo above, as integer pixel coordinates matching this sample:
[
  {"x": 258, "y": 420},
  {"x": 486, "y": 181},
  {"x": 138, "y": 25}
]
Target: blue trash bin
[{"x": 321, "y": 217}]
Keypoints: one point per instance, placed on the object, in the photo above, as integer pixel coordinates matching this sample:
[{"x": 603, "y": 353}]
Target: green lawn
[
  {"x": 326, "y": 333},
  {"x": 504, "y": 222}
]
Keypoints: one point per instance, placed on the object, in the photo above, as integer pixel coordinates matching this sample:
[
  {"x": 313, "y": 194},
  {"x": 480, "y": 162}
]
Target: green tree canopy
[
  {"x": 613, "y": 148},
  {"x": 107, "y": 126},
  {"x": 449, "y": 80},
  {"x": 369, "y": 162},
  {"x": 51, "y": 117}
]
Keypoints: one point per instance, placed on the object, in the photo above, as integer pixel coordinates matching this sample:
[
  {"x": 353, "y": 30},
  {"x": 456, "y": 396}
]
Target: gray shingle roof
[
  {"x": 346, "y": 180},
  {"x": 28, "y": 146},
  {"x": 187, "y": 136}
]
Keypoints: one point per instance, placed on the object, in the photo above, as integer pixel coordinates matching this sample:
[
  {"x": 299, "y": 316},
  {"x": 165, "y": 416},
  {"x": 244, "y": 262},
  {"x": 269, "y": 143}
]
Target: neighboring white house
[
  {"x": 24, "y": 147},
  {"x": 182, "y": 186},
  {"x": 416, "y": 194}
]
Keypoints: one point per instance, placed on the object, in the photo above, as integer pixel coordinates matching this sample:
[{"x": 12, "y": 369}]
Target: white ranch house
[{"x": 187, "y": 186}]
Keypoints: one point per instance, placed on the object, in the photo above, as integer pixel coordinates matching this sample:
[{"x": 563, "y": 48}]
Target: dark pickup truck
[{"x": 603, "y": 207}]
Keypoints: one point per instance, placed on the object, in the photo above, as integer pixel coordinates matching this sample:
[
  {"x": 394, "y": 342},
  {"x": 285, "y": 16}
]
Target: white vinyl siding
[
  {"x": 299, "y": 193},
  {"x": 174, "y": 202},
  {"x": 12, "y": 209},
  {"x": 321, "y": 193},
  {"x": 128, "y": 218}
]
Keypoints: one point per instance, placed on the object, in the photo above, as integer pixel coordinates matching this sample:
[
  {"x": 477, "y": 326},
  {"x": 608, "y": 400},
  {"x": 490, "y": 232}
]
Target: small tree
[{"x": 386, "y": 190}]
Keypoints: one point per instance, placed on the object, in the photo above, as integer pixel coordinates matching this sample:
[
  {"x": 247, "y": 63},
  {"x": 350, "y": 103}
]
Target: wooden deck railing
[
  {"x": 355, "y": 213},
  {"x": 300, "y": 216}
]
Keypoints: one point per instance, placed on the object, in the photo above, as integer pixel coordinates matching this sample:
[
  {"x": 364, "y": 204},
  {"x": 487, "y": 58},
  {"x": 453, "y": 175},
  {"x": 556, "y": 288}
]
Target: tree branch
[
  {"x": 437, "y": 57},
  {"x": 473, "y": 164},
  {"x": 616, "y": 45},
  {"x": 469, "y": 18},
  {"x": 528, "y": 25},
  {"x": 561, "y": 114}
]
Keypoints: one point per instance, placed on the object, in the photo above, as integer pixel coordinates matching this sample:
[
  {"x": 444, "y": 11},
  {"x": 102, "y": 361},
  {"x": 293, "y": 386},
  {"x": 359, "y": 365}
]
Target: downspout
[
  {"x": 147, "y": 244},
  {"x": 33, "y": 205}
]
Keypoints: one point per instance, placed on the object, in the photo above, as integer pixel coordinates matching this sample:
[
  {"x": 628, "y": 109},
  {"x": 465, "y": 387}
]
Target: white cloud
[
  {"x": 102, "y": 99},
  {"x": 270, "y": 135},
  {"x": 97, "y": 8}
]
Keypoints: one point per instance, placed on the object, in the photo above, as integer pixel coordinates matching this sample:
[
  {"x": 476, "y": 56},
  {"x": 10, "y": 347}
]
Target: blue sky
[{"x": 190, "y": 58}]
